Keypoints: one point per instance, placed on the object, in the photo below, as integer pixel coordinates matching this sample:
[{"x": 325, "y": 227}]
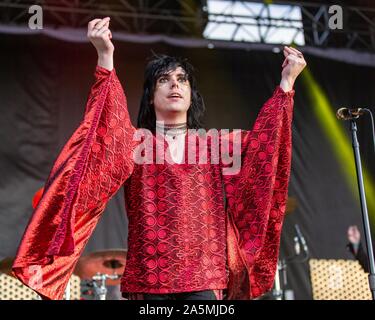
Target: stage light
[{"x": 245, "y": 21}]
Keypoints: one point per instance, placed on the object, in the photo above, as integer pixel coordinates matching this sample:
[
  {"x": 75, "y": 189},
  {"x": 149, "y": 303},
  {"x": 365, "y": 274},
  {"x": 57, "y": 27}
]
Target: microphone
[
  {"x": 302, "y": 239},
  {"x": 349, "y": 114},
  {"x": 297, "y": 247}
]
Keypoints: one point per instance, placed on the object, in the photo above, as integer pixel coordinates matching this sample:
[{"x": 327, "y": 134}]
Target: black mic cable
[{"x": 372, "y": 126}]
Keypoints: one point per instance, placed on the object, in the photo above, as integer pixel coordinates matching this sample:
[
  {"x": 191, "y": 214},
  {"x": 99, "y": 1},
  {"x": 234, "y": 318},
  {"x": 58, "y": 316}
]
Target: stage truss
[{"x": 190, "y": 19}]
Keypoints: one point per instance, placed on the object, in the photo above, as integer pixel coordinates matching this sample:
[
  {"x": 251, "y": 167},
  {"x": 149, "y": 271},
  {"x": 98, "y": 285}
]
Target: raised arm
[
  {"x": 92, "y": 166},
  {"x": 256, "y": 195}
]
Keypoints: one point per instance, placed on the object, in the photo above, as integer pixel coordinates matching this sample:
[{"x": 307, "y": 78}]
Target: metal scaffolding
[{"x": 191, "y": 18}]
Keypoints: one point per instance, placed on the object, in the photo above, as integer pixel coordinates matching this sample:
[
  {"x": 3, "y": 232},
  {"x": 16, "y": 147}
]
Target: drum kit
[{"x": 100, "y": 273}]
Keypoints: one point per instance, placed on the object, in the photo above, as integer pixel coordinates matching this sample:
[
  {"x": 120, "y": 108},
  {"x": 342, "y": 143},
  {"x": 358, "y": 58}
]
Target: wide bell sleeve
[
  {"x": 92, "y": 166},
  {"x": 256, "y": 198}
]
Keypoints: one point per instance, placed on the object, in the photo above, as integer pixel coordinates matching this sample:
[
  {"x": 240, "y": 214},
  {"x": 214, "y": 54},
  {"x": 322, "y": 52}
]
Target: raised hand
[
  {"x": 100, "y": 36},
  {"x": 292, "y": 66},
  {"x": 354, "y": 236}
]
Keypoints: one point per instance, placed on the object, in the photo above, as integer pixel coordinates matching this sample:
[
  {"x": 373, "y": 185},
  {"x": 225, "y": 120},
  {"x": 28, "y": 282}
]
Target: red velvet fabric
[
  {"x": 181, "y": 236},
  {"x": 36, "y": 197},
  {"x": 176, "y": 240}
]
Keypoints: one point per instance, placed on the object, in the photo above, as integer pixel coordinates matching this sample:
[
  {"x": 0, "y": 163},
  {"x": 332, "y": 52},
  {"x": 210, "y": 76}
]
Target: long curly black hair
[{"x": 156, "y": 67}]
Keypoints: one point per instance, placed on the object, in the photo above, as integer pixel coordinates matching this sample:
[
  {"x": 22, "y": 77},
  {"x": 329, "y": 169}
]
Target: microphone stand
[
  {"x": 280, "y": 291},
  {"x": 365, "y": 218}
]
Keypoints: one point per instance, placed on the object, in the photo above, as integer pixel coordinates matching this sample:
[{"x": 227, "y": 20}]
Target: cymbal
[
  {"x": 111, "y": 261},
  {"x": 6, "y": 265}
]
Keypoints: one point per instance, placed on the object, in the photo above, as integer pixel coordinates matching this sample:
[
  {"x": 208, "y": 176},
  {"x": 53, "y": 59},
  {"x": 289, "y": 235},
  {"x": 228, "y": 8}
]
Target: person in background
[{"x": 356, "y": 248}]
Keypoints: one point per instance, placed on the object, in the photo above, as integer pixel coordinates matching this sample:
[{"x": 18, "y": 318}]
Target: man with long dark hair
[{"x": 196, "y": 230}]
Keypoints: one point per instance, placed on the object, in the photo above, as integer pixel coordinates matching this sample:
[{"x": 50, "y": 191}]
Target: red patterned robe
[{"x": 191, "y": 227}]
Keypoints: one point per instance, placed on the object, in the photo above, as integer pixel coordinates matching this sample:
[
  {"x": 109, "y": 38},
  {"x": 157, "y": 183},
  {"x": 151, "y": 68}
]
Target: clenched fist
[
  {"x": 292, "y": 66},
  {"x": 100, "y": 36}
]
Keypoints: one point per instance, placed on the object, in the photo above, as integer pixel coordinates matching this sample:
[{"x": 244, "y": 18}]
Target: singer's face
[{"x": 172, "y": 93}]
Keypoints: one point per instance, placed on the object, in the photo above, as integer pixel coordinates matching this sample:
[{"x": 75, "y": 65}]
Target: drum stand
[
  {"x": 280, "y": 291},
  {"x": 67, "y": 291},
  {"x": 101, "y": 289},
  {"x": 277, "y": 293}
]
